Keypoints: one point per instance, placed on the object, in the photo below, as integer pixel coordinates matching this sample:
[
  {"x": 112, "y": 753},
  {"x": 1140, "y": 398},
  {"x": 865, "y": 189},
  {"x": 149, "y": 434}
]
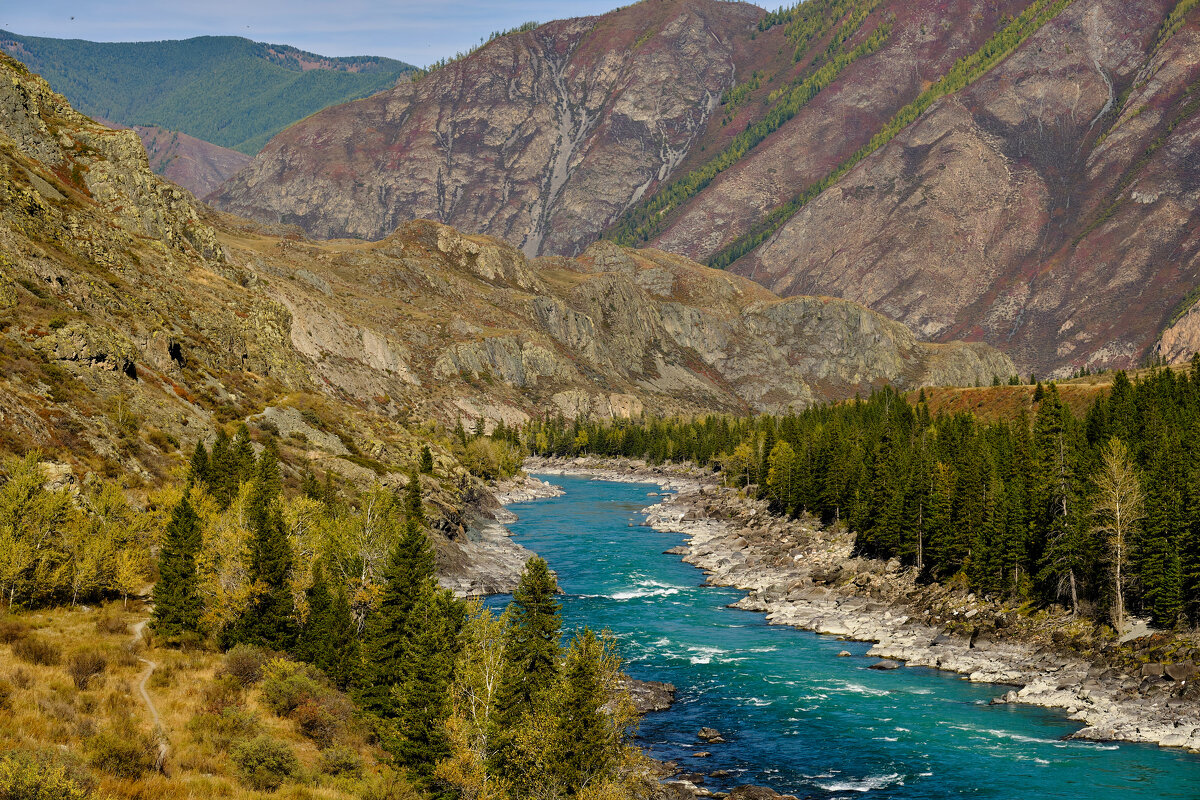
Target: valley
[{"x": 347, "y": 407}]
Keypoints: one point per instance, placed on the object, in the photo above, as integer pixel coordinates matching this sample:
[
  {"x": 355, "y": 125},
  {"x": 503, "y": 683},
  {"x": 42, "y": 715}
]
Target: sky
[{"x": 416, "y": 31}]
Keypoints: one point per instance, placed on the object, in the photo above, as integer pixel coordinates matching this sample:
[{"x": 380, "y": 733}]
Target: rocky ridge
[
  {"x": 1048, "y": 208},
  {"x": 804, "y": 576}
]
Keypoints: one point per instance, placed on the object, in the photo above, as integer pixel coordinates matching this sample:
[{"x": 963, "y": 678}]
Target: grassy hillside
[{"x": 224, "y": 89}]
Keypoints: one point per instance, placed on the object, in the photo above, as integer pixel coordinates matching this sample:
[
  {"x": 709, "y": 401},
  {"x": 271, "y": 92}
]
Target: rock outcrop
[{"x": 196, "y": 165}]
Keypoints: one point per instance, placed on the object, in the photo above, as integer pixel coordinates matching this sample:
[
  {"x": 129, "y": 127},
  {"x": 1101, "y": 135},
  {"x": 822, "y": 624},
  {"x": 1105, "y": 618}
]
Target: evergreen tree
[
  {"x": 408, "y": 574},
  {"x": 328, "y": 637},
  {"x": 423, "y": 696},
  {"x": 269, "y": 620},
  {"x": 426, "y": 460},
  {"x": 198, "y": 469},
  {"x": 584, "y": 738},
  {"x": 531, "y": 654},
  {"x": 222, "y": 471},
  {"x": 177, "y": 604}
]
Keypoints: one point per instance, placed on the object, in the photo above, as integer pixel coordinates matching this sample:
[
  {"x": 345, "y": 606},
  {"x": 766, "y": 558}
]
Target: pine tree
[
  {"x": 423, "y": 696},
  {"x": 269, "y": 621},
  {"x": 222, "y": 471},
  {"x": 177, "y": 603},
  {"x": 328, "y": 637},
  {"x": 408, "y": 574},
  {"x": 241, "y": 451},
  {"x": 585, "y": 742},
  {"x": 531, "y": 654},
  {"x": 199, "y": 465},
  {"x": 426, "y": 460}
]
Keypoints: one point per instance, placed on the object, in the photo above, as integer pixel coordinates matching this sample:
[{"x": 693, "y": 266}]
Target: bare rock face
[
  {"x": 196, "y": 165},
  {"x": 1051, "y": 208},
  {"x": 541, "y": 138}
]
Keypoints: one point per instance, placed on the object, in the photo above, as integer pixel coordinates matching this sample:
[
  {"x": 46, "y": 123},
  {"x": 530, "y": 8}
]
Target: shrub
[
  {"x": 25, "y": 776},
  {"x": 12, "y": 630},
  {"x": 341, "y": 761},
  {"x": 123, "y": 750},
  {"x": 224, "y": 692},
  {"x": 222, "y": 729},
  {"x": 265, "y": 763},
  {"x": 323, "y": 718},
  {"x": 112, "y": 622},
  {"x": 287, "y": 684},
  {"x": 6, "y": 692},
  {"x": 85, "y": 666},
  {"x": 35, "y": 650},
  {"x": 245, "y": 664},
  {"x": 22, "y": 679}
]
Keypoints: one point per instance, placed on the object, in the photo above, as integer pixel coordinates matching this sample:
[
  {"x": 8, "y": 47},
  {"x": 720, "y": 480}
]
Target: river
[{"x": 798, "y": 717}]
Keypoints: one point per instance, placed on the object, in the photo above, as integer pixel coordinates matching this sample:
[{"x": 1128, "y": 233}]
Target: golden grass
[{"x": 48, "y": 713}]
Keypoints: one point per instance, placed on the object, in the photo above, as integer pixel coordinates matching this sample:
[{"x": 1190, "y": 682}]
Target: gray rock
[{"x": 886, "y": 664}]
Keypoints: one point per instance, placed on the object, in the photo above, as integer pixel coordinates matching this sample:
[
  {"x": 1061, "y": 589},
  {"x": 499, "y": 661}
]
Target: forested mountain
[
  {"x": 227, "y": 90},
  {"x": 1096, "y": 510},
  {"x": 1019, "y": 172}
]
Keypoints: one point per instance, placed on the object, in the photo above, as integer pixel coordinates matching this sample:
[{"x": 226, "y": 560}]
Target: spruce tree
[
  {"x": 584, "y": 740},
  {"x": 426, "y": 460},
  {"x": 532, "y": 647},
  {"x": 199, "y": 468},
  {"x": 177, "y": 604},
  {"x": 222, "y": 471},
  {"x": 328, "y": 637},
  {"x": 269, "y": 620}
]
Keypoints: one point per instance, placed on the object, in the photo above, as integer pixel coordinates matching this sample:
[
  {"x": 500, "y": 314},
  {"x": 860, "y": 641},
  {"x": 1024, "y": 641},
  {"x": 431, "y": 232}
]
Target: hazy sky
[{"x": 416, "y": 32}]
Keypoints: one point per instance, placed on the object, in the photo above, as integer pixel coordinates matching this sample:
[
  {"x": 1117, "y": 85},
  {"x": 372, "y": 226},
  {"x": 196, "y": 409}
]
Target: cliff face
[
  {"x": 127, "y": 308},
  {"x": 541, "y": 138},
  {"x": 1050, "y": 209},
  {"x": 196, "y": 165}
]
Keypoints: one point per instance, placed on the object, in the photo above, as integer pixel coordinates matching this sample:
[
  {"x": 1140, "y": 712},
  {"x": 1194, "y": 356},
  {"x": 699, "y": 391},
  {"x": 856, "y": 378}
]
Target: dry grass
[{"x": 47, "y": 712}]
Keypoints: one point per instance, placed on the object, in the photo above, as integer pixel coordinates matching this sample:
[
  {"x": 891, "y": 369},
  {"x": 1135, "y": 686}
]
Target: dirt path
[{"x": 159, "y": 731}]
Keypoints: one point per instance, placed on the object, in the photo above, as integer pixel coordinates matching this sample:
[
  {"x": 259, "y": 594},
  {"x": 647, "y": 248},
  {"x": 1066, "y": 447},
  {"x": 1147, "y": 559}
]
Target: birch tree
[{"x": 1119, "y": 507}]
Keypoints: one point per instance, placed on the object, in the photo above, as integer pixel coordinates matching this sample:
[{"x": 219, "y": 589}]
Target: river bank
[{"x": 804, "y": 576}]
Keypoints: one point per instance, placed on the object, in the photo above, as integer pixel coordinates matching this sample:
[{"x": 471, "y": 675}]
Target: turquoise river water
[{"x": 798, "y": 718}]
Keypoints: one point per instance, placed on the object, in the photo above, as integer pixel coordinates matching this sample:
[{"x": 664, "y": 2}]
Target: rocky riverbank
[
  {"x": 802, "y": 575},
  {"x": 485, "y": 560}
]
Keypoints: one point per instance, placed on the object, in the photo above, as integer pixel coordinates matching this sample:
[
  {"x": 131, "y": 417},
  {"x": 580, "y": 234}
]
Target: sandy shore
[{"x": 807, "y": 577}]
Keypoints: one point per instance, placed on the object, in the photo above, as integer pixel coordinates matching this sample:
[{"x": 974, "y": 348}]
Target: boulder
[
  {"x": 886, "y": 664},
  {"x": 845, "y": 654},
  {"x": 710, "y": 735},
  {"x": 649, "y": 696},
  {"x": 751, "y": 792},
  {"x": 1183, "y": 671}
]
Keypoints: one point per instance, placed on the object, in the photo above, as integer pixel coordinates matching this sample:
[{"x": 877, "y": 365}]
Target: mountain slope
[
  {"x": 196, "y": 165},
  {"x": 223, "y": 89},
  {"x": 540, "y": 137},
  {"x": 1050, "y": 208},
  {"x": 130, "y": 319},
  {"x": 1019, "y": 172}
]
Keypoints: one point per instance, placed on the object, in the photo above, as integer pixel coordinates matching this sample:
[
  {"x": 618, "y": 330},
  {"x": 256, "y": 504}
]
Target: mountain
[
  {"x": 134, "y": 320},
  {"x": 222, "y": 89},
  {"x": 1013, "y": 171},
  {"x": 541, "y": 137},
  {"x": 196, "y": 165}
]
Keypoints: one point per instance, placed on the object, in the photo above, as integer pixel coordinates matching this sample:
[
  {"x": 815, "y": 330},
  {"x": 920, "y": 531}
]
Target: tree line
[{"x": 1099, "y": 512}]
